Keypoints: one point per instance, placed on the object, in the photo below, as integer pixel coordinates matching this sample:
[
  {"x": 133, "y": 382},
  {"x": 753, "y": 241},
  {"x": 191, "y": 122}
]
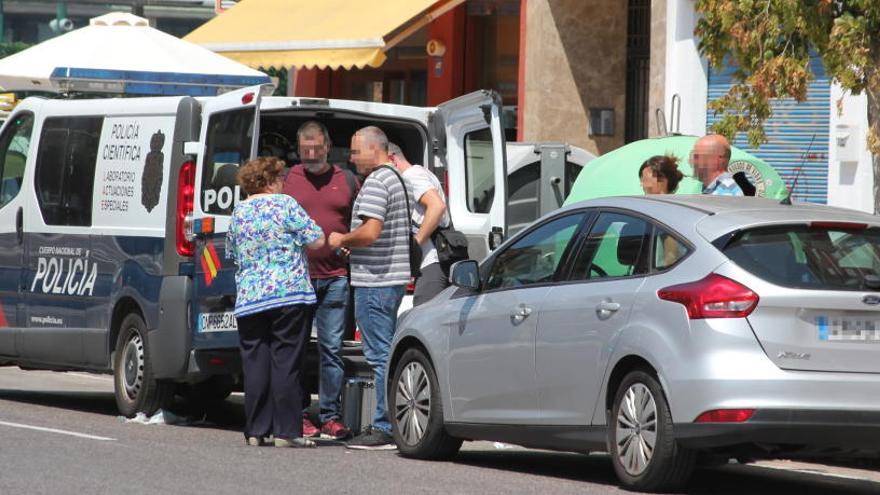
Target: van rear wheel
[{"x": 133, "y": 384}]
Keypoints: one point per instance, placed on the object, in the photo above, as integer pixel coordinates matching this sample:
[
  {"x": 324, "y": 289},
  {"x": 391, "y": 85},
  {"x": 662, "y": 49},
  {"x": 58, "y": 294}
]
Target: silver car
[{"x": 660, "y": 329}]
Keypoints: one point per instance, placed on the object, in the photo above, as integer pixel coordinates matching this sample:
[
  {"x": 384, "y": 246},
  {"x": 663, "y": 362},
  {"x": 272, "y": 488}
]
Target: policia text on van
[{"x": 113, "y": 214}]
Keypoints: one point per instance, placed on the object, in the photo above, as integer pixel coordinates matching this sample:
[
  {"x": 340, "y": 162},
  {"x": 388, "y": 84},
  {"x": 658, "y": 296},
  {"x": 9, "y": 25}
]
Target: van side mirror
[{"x": 465, "y": 274}]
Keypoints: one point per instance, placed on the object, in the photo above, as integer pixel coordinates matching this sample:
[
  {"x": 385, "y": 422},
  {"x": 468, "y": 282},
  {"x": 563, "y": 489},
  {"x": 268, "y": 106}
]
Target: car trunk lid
[{"x": 819, "y": 308}]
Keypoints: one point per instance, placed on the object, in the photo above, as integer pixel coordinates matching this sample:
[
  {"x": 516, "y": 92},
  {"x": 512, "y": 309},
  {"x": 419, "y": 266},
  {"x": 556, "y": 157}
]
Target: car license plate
[
  {"x": 217, "y": 322},
  {"x": 848, "y": 329}
]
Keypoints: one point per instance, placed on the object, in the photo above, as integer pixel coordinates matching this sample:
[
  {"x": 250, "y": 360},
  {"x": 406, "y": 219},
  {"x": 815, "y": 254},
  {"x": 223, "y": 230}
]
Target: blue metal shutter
[{"x": 789, "y": 131}]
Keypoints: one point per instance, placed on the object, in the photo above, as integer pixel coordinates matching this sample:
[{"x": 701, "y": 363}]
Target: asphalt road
[{"x": 60, "y": 433}]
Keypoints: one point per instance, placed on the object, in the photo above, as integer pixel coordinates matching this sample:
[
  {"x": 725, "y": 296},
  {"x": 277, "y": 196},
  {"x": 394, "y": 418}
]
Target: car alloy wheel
[
  {"x": 636, "y": 429},
  {"x": 412, "y": 404}
]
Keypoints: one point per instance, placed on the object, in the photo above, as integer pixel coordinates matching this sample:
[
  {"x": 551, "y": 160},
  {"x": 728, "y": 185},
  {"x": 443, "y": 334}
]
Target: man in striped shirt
[{"x": 379, "y": 260}]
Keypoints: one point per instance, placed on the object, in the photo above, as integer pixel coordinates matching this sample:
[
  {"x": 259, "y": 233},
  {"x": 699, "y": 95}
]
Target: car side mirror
[{"x": 465, "y": 274}]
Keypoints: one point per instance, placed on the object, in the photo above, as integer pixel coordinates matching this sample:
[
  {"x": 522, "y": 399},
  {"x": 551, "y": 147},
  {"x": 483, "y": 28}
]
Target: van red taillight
[
  {"x": 725, "y": 416},
  {"x": 186, "y": 188},
  {"x": 712, "y": 297}
]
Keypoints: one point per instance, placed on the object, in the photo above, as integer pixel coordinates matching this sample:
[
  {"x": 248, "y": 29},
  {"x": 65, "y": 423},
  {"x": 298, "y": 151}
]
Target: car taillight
[
  {"x": 838, "y": 225},
  {"x": 712, "y": 297},
  {"x": 725, "y": 416},
  {"x": 186, "y": 188}
]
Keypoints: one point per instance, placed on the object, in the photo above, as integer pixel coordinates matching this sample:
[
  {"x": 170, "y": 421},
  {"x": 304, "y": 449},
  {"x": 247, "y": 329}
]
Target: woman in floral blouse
[{"x": 267, "y": 237}]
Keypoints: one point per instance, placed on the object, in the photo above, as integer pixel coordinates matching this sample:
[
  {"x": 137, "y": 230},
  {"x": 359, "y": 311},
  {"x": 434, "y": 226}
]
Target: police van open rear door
[
  {"x": 229, "y": 133},
  {"x": 469, "y": 134}
]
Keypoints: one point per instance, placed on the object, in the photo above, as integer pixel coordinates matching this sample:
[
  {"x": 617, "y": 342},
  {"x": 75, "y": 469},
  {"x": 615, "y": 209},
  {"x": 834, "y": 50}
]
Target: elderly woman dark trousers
[{"x": 272, "y": 347}]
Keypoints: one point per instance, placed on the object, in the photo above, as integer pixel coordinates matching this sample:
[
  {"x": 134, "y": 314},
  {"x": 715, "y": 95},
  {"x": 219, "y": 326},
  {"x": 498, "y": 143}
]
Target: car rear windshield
[{"x": 810, "y": 257}]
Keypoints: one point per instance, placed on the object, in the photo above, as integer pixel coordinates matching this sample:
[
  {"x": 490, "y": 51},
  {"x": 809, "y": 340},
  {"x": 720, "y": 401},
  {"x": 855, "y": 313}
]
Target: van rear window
[
  {"x": 805, "y": 257},
  {"x": 228, "y": 148}
]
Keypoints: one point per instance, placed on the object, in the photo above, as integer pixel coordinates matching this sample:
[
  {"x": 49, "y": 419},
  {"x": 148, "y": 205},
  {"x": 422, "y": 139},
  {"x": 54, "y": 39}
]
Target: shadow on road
[
  {"x": 90, "y": 402},
  {"x": 226, "y": 415},
  {"x": 731, "y": 479}
]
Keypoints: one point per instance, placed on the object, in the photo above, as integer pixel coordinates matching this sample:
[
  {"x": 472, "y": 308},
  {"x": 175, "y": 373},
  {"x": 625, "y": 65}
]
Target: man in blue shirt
[{"x": 710, "y": 157}]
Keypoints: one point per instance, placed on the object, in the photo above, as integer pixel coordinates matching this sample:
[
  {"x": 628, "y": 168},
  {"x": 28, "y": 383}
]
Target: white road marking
[
  {"x": 54, "y": 430},
  {"x": 102, "y": 378}
]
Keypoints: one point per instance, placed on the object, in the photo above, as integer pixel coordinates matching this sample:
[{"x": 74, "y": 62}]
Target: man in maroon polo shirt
[{"x": 326, "y": 192}]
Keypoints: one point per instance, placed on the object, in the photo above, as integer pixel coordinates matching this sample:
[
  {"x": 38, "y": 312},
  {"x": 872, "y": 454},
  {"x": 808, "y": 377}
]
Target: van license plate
[
  {"x": 848, "y": 329},
  {"x": 217, "y": 322}
]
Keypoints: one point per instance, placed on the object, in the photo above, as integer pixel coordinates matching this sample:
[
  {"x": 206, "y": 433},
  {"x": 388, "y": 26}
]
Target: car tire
[
  {"x": 639, "y": 414},
  {"x": 133, "y": 384},
  {"x": 416, "y": 410}
]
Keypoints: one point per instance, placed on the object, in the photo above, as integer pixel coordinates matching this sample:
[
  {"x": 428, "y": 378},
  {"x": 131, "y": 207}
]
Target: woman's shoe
[
  {"x": 255, "y": 441},
  {"x": 296, "y": 443}
]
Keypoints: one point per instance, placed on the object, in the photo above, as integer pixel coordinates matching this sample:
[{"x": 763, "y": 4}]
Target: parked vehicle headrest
[{"x": 629, "y": 244}]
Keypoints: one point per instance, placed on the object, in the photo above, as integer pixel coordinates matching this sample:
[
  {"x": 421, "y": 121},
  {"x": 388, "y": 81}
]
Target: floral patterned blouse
[{"x": 267, "y": 238}]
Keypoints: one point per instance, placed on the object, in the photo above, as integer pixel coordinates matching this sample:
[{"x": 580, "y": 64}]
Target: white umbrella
[{"x": 121, "y": 53}]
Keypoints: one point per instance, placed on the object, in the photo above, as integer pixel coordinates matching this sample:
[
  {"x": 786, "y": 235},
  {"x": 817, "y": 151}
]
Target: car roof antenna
[{"x": 787, "y": 199}]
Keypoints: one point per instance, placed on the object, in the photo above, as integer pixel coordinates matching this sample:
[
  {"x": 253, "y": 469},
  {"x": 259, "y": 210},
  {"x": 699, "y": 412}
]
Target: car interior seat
[{"x": 630, "y": 247}]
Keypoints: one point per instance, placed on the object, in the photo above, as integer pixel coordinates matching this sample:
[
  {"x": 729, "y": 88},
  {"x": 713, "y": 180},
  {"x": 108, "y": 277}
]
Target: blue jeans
[
  {"x": 332, "y": 294},
  {"x": 375, "y": 309}
]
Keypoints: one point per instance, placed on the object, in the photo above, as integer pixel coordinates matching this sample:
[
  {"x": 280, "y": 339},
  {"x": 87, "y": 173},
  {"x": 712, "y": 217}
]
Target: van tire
[{"x": 133, "y": 384}]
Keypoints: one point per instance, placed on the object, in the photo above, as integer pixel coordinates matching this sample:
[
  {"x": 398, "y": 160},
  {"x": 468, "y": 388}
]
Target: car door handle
[
  {"x": 520, "y": 313},
  {"x": 606, "y": 308}
]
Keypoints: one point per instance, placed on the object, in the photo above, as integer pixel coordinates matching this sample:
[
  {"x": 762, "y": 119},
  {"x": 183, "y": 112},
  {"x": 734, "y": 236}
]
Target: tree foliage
[
  {"x": 771, "y": 41},
  {"x": 10, "y": 47}
]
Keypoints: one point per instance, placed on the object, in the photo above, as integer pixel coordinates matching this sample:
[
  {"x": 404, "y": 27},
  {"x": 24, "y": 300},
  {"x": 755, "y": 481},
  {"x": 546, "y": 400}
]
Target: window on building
[{"x": 65, "y": 171}]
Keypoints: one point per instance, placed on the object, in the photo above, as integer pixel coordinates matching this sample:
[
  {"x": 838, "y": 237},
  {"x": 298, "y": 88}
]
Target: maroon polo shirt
[{"x": 327, "y": 199}]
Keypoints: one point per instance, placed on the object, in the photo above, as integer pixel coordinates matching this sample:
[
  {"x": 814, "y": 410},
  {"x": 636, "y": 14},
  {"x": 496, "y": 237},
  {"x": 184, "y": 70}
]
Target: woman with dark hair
[
  {"x": 660, "y": 175},
  {"x": 267, "y": 237}
]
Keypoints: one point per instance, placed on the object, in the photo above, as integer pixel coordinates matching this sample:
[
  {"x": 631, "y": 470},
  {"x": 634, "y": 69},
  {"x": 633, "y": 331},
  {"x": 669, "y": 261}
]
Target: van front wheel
[{"x": 134, "y": 386}]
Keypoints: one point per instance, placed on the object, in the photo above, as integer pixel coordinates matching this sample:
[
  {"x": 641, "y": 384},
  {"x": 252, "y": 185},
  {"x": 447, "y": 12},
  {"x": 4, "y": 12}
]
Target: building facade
[{"x": 29, "y": 21}]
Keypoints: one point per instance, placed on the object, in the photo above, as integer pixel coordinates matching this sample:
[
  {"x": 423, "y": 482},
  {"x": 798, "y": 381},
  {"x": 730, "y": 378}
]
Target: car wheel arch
[
  {"x": 621, "y": 368},
  {"x": 405, "y": 344},
  {"x": 124, "y": 306}
]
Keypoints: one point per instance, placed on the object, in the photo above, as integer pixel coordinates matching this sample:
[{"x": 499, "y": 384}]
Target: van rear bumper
[
  {"x": 206, "y": 362},
  {"x": 849, "y": 430},
  {"x": 170, "y": 342}
]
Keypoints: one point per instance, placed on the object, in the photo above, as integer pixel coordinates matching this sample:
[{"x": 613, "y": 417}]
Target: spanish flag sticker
[{"x": 210, "y": 263}]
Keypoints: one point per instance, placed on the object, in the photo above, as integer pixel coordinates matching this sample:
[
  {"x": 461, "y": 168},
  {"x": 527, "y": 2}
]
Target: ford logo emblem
[{"x": 871, "y": 299}]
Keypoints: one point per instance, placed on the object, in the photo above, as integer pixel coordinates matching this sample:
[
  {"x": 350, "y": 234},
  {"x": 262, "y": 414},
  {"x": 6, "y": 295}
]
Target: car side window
[
  {"x": 14, "y": 146},
  {"x": 617, "y": 246},
  {"x": 534, "y": 258},
  {"x": 668, "y": 250}
]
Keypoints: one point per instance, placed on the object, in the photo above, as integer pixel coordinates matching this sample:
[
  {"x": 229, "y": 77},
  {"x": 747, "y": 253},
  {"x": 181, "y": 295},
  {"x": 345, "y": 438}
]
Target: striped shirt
[
  {"x": 384, "y": 263},
  {"x": 724, "y": 185}
]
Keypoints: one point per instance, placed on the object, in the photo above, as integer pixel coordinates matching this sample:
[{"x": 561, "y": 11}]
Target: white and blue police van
[{"x": 113, "y": 217}]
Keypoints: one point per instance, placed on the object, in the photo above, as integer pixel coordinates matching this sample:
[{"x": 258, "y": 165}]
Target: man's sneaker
[
  {"x": 309, "y": 428},
  {"x": 335, "y": 430},
  {"x": 372, "y": 439}
]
